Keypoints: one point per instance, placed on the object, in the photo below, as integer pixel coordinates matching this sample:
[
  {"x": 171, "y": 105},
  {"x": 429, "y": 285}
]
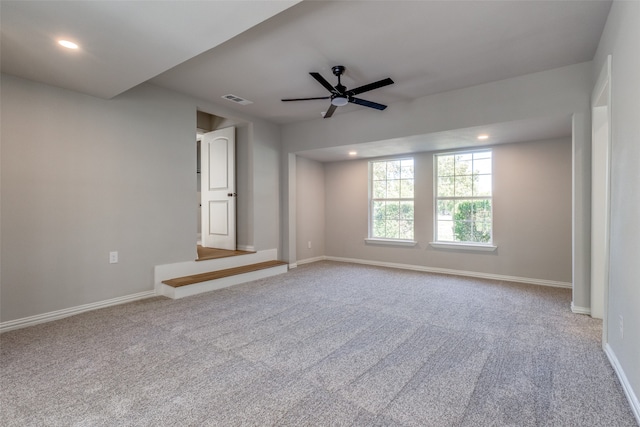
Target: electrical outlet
[
  {"x": 621, "y": 321},
  {"x": 113, "y": 257},
  {"x": 309, "y": 244}
]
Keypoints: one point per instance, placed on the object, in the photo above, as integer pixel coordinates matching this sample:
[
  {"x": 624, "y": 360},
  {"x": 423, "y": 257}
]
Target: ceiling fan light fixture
[
  {"x": 68, "y": 44},
  {"x": 339, "y": 101}
]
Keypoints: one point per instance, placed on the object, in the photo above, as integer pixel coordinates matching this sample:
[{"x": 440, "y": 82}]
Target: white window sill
[
  {"x": 463, "y": 246},
  {"x": 390, "y": 242}
]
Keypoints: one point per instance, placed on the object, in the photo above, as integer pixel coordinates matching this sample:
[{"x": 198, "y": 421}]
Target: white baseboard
[
  {"x": 60, "y": 314},
  {"x": 527, "y": 280},
  {"x": 626, "y": 386},
  {"x": 310, "y": 260},
  {"x": 580, "y": 310},
  {"x": 247, "y": 248}
]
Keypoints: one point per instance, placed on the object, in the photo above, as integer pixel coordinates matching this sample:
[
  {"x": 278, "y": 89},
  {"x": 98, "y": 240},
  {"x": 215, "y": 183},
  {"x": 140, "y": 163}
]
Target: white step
[{"x": 181, "y": 287}]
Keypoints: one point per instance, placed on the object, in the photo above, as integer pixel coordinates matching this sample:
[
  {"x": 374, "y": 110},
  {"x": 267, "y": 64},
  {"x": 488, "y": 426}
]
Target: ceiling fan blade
[
  {"x": 322, "y": 81},
  {"x": 366, "y": 103},
  {"x": 330, "y": 111},
  {"x": 306, "y": 99},
  {"x": 371, "y": 86}
]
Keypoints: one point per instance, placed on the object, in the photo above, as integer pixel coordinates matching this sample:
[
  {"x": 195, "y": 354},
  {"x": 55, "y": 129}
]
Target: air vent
[{"x": 237, "y": 99}]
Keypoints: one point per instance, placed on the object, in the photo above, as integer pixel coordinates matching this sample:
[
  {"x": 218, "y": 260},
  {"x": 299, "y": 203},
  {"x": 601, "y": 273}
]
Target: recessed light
[
  {"x": 483, "y": 137},
  {"x": 67, "y": 44},
  {"x": 353, "y": 153}
]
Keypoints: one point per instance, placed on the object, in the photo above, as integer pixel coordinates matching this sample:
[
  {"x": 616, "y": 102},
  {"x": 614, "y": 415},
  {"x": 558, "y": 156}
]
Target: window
[
  {"x": 463, "y": 197},
  {"x": 391, "y": 199}
]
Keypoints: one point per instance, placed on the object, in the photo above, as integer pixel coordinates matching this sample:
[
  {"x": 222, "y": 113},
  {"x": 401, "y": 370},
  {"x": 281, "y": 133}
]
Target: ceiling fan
[{"x": 341, "y": 96}]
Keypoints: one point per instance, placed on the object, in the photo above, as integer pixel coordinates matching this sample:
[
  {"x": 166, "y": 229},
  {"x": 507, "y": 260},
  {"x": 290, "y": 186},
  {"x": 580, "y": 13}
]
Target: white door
[{"x": 218, "y": 189}]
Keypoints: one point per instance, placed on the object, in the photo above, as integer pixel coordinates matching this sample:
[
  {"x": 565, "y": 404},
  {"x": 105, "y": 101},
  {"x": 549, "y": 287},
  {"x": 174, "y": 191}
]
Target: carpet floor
[{"x": 327, "y": 344}]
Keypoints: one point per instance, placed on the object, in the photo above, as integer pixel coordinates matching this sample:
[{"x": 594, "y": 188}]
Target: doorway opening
[{"x": 216, "y": 192}]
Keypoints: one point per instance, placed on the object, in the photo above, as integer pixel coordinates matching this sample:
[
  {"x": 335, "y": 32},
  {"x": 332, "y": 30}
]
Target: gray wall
[
  {"x": 532, "y": 214},
  {"x": 621, "y": 39},
  {"x": 265, "y": 170},
  {"x": 82, "y": 176},
  {"x": 310, "y": 208}
]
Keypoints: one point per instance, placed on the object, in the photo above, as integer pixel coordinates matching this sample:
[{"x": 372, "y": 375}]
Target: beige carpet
[{"x": 327, "y": 344}]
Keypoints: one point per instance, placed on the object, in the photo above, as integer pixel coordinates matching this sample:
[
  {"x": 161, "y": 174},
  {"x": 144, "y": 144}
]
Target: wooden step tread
[{"x": 212, "y": 275}]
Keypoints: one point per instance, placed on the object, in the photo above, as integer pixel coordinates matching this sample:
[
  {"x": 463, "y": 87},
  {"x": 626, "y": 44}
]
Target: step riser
[
  {"x": 169, "y": 271},
  {"x": 224, "y": 282}
]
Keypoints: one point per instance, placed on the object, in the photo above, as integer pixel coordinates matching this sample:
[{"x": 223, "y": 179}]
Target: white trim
[
  {"x": 310, "y": 260},
  {"x": 293, "y": 265},
  {"x": 463, "y": 246},
  {"x": 599, "y": 289},
  {"x": 60, "y": 314},
  {"x": 527, "y": 280},
  {"x": 389, "y": 242},
  {"x": 626, "y": 386},
  {"x": 247, "y": 248},
  {"x": 580, "y": 310}
]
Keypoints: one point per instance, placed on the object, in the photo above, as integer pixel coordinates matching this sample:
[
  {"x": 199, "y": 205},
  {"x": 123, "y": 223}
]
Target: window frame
[
  {"x": 452, "y": 244},
  {"x": 371, "y": 239}
]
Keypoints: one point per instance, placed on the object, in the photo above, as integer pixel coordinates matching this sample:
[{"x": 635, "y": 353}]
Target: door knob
[{"x": 232, "y": 194}]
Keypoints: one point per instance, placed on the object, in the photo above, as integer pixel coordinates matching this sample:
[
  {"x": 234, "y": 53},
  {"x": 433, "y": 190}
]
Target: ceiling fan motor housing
[
  {"x": 338, "y": 70},
  {"x": 340, "y": 96}
]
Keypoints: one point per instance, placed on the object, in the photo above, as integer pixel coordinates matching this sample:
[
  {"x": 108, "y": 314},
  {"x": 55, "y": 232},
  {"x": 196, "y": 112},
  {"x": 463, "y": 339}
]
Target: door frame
[{"x": 601, "y": 116}]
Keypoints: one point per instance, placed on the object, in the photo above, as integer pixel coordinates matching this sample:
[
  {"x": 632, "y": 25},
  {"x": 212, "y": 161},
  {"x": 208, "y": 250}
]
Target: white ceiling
[
  {"x": 264, "y": 50},
  {"x": 122, "y": 43}
]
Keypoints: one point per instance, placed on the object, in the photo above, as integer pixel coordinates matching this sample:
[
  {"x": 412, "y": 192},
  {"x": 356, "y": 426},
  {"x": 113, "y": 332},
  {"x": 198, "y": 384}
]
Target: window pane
[
  {"x": 379, "y": 170},
  {"x": 406, "y": 189},
  {"x": 445, "y": 187},
  {"x": 379, "y": 189},
  {"x": 393, "y": 189},
  {"x": 463, "y": 186},
  {"x": 393, "y": 169},
  {"x": 407, "y": 169},
  {"x": 406, "y": 210},
  {"x": 445, "y": 209},
  {"x": 482, "y": 166},
  {"x": 393, "y": 230},
  {"x": 393, "y": 211},
  {"x": 463, "y": 231},
  {"x": 445, "y": 230},
  {"x": 379, "y": 211},
  {"x": 406, "y": 229},
  {"x": 463, "y": 164},
  {"x": 482, "y": 210},
  {"x": 445, "y": 165},
  {"x": 484, "y": 227},
  {"x": 480, "y": 233},
  {"x": 379, "y": 228},
  {"x": 482, "y": 185}
]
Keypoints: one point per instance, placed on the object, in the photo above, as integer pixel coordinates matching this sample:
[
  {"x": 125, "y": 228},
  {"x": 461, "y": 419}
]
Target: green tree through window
[
  {"x": 391, "y": 199},
  {"x": 463, "y": 197}
]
